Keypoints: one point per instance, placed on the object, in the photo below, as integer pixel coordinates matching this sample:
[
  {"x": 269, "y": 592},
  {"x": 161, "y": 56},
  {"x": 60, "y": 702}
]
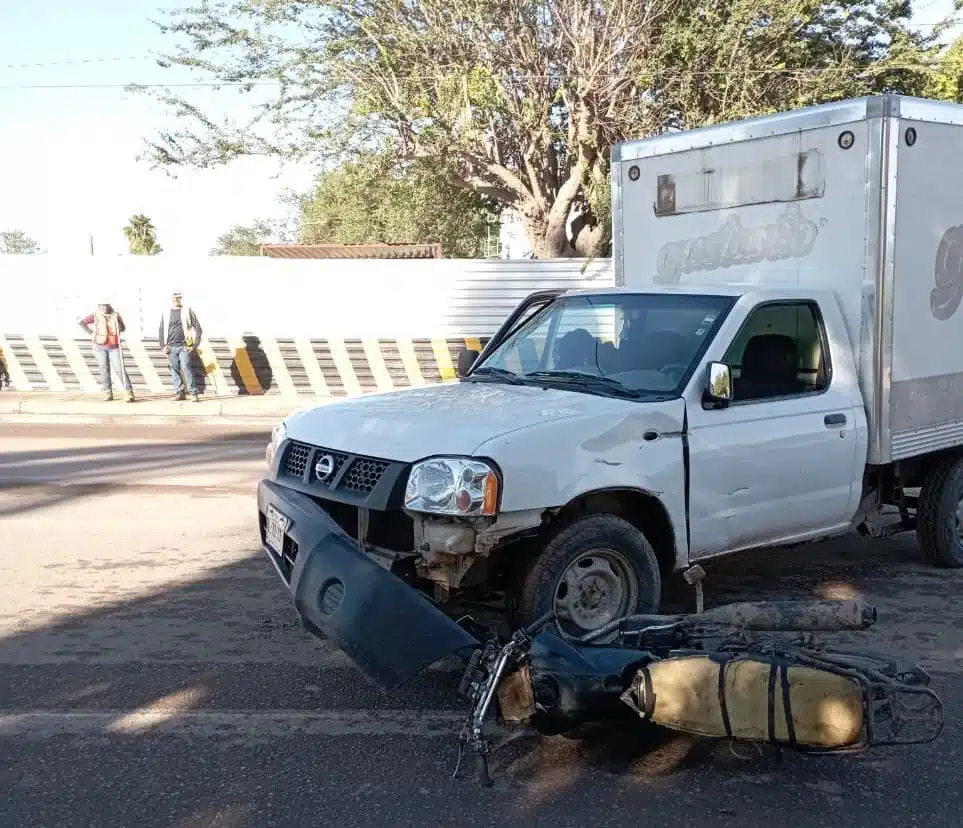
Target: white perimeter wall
[{"x": 45, "y": 295}]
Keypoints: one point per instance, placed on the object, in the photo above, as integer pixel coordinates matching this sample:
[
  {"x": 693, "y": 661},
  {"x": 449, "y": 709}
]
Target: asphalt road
[{"x": 153, "y": 673}]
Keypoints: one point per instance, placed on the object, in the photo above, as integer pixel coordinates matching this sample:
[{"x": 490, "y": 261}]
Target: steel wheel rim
[{"x": 599, "y": 586}]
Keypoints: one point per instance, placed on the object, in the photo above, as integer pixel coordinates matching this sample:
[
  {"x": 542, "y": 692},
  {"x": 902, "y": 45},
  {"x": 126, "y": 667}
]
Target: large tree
[
  {"x": 372, "y": 199},
  {"x": 141, "y": 236},
  {"x": 520, "y": 101},
  {"x": 244, "y": 240},
  {"x": 17, "y": 242}
]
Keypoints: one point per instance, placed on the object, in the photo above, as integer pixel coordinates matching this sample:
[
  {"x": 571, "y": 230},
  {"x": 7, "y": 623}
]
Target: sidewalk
[{"x": 43, "y": 407}]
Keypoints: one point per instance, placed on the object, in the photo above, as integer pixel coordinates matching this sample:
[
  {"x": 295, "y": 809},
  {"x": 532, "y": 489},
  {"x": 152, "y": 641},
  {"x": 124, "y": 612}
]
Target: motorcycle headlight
[
  {"x": 452, "y": 486},
  {"x": 278, "y": 433}
]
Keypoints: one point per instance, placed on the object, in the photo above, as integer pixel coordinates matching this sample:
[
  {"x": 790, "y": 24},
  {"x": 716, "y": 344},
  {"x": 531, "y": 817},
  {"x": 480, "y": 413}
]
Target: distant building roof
[{"x": 352, "y": 251}]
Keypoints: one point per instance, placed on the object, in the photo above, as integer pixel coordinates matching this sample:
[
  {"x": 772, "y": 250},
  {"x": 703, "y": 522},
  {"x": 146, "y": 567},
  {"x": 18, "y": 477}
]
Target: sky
[{"x": 70, "y": 135}]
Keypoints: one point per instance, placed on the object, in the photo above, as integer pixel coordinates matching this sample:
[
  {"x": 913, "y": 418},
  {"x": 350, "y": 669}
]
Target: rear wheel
[
  {"x": 940, "y": 514},
  {"x": 595, "y": 570}
]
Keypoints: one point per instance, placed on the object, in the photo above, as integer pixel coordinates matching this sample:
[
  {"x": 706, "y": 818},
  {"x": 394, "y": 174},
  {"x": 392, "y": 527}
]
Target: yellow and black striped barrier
[{"x": 246, "y": 364}]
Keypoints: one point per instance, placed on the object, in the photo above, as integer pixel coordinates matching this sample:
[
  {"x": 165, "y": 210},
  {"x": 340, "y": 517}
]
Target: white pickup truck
[{"x": 781, "y": 361}]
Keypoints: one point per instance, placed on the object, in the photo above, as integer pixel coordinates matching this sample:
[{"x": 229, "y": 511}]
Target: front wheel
[{"x": 595, "y": 570}]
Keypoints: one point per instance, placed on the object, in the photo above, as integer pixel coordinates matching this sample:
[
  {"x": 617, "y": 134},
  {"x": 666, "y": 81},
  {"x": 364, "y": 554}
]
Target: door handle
[{"x": 834, "y": 420}]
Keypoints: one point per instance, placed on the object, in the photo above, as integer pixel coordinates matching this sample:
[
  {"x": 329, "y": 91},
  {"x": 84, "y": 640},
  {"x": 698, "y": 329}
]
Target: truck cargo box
[{"x": 864, "y": 197}]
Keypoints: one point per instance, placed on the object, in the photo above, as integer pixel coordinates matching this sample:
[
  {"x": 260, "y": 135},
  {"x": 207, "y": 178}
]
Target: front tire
[
  {"x": 940, "y": 514},
  {"x": 596, "y": 569}
]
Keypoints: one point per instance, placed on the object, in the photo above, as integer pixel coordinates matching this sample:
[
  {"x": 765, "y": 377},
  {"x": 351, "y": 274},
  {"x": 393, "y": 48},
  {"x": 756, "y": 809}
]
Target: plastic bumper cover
[{"x": 390, "y": 630}]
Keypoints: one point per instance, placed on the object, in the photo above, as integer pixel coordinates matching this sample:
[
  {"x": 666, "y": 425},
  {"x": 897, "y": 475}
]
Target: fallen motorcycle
[
  {"x": 750, "y": 671},
  {"x": 710, "y": 674}
]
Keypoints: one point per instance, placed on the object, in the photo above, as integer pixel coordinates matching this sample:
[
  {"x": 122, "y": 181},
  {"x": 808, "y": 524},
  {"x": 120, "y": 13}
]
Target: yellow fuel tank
[{"x": 696, "y": 694}]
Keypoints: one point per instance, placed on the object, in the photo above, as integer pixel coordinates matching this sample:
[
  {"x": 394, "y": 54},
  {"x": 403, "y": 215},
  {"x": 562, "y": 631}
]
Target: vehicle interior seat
[
  {"x": 769, "y": 368},
  {"x": 653, "y": 350},
  {"x": 576, "y": 349}
]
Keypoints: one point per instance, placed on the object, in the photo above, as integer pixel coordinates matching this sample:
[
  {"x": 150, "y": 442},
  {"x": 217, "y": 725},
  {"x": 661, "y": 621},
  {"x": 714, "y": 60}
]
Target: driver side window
[{"x": 780, "y": 351}]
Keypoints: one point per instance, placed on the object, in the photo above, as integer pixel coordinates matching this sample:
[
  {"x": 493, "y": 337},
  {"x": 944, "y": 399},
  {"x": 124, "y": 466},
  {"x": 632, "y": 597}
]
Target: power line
[{"x": 75, "y": 62}]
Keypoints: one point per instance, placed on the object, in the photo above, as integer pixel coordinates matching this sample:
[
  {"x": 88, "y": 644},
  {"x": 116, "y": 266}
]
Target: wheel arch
[{"x": 643, "y": 509}]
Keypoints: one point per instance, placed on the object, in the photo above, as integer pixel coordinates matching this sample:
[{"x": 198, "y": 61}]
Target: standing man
[
  {"x": 179, "y": 335},
  {"x": 108, "y": 326}
]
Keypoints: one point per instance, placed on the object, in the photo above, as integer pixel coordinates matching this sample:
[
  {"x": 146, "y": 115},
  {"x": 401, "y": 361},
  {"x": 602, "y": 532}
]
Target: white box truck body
[
  {"x": 863, "y": 198},
  {"x": 781, "y": 360}
]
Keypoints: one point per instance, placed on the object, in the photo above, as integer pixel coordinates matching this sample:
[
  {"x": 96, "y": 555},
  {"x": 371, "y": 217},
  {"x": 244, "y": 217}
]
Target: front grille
[
  {"x": 357, "y": 475},
  {"x": 364, "y": 474},
  {"x": 296, "y": 460}
]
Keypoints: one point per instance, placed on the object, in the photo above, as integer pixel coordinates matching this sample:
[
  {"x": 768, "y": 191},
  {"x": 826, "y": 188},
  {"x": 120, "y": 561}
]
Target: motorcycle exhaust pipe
[{"x": 790, "y": 616}]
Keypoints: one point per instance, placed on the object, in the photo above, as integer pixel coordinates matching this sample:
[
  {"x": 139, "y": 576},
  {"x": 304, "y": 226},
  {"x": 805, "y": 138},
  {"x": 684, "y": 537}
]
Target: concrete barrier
[
  {"x": 292, "y": 328},
  {"x": 247, "y": 365}
]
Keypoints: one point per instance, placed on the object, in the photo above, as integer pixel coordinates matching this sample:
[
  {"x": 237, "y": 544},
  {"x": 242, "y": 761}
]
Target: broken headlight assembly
[{"x": 453, "y": 486}]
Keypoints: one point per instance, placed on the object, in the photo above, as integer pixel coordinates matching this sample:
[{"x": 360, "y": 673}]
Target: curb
[
  {"x": 210, "y": 412},
  {"x": 138, "y": 420}
]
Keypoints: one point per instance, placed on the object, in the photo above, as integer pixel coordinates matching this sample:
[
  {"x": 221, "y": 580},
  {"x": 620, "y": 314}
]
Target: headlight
[
  {"x": 278, "y": 433},
  {"x": 452, "y": 486}
]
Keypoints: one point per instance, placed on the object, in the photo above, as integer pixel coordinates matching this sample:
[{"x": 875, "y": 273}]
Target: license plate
[{"x": 277, "y": 525}]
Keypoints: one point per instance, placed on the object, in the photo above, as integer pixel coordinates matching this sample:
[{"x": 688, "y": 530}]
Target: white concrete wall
[{"x": 45, "y": 295}]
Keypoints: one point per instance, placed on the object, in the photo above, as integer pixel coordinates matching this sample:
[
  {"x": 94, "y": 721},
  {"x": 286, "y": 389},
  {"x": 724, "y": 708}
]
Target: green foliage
[
  {"x": 373, "y": 199},
  {"x": 141, "y": 236},
  {"x": 17, "y": 242},
  {"x": 244, "y": 240},
  {"x": 946, "y": 83},
  {"x": 522, "y": 100}
]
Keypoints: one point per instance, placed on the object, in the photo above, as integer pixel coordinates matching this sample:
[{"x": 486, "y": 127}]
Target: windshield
[{"x": 632, "y": 343}]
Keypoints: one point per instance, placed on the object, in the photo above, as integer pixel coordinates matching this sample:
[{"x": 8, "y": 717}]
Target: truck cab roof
[{"x": 754, "y": 291}]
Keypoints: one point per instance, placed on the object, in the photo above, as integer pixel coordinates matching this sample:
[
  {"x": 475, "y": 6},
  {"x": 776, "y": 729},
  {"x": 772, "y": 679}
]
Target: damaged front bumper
[{"x": 390, "y": 630}]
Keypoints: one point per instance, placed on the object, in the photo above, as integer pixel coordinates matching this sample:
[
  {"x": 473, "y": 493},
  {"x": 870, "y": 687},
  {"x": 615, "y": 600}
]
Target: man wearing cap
[
  {"x": 179, "y": 335},
  {"x": 108, "y": 326}
]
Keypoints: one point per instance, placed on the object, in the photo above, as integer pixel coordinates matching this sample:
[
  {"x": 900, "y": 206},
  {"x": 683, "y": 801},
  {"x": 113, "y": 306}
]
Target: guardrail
[{"x": 247, "y": 365}]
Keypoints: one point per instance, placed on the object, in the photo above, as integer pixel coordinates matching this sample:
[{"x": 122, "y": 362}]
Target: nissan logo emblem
[{"x": 324, "y": 466}]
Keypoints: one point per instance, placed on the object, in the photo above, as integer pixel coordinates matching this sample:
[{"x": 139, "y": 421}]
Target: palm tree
[{"x": 142, "y": 236}]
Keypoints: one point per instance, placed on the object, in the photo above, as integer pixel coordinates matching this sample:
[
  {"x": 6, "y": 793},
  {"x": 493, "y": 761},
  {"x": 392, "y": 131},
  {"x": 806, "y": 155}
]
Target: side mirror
[
  {"x": 466, "y": 358},
  {"x": 718, "y": 385}
]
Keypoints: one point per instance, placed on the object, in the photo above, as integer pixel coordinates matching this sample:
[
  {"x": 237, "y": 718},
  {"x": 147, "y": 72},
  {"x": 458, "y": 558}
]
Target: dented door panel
[{"x": 631, "y": 445}]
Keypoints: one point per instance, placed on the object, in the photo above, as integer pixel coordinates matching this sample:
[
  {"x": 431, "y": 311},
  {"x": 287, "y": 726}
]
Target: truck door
[{"x": 779, "y": 461}]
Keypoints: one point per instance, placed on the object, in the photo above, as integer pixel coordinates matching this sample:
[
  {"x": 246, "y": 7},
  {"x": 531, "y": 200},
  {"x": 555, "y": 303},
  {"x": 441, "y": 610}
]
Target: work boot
[
  {"x": 130, "y": 396},
  {"x": 179, "y": 396},
  {"x": 108, "y": 396}
]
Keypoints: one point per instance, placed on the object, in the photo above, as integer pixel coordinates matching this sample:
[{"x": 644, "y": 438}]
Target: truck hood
[{"x": 450, "y": 418}]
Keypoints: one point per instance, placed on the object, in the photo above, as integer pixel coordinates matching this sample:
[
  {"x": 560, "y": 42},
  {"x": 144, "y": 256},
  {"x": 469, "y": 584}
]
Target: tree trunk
[
  {"x": 591, "y": 238},
  {"x": 547, "y": 234}
]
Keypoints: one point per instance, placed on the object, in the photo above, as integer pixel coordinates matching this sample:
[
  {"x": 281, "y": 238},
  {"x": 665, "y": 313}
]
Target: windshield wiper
[
  {"x": 495, "y": 373},
  {"x": 587, "y": 381}
]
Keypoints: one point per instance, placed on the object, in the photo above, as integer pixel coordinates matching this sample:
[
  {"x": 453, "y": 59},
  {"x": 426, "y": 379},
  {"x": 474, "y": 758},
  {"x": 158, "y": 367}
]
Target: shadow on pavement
[
  {"x": 228, "y": 640},
  {"x": 91, "y": 470}
]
